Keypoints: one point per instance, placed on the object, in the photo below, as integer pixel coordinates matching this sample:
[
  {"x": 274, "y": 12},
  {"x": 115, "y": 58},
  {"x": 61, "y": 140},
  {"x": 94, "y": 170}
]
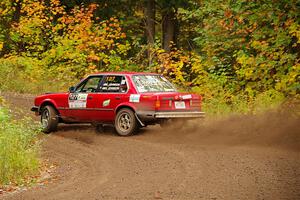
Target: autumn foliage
[
  {"x": 230, "y": 52},
  {"x": 66, "y": 45}
]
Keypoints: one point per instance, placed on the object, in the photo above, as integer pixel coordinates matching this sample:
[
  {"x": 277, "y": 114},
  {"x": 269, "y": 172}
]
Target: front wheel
[
  {"x": 49, "y": 119},
  {"x": 125, "y": 122}
]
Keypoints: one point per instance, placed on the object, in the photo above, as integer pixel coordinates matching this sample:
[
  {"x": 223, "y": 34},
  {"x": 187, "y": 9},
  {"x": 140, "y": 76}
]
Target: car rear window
[{"x": 152, "y": 83}]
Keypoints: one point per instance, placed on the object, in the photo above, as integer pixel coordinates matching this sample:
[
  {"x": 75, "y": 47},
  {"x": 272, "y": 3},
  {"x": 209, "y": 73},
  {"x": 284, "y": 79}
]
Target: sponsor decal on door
[
  {"x": 77, "y": 100},
  {"x": 106, "y": 102}
]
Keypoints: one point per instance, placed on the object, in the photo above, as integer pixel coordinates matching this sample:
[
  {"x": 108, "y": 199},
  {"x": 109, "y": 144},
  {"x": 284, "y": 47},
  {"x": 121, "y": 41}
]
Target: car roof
[{"x": 124, "y": 73}]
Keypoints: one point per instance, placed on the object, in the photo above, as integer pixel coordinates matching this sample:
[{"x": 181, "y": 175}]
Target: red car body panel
[{"x": 102, "y": 107}]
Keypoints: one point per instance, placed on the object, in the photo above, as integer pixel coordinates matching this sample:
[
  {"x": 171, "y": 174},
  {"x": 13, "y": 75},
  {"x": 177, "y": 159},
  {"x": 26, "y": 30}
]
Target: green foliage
[
  {"x": 256, "y": 43},
  {"x": 18, "y": 149},
  {"x": 27, "y": 75},
  {"x": 240, "y": 56}
]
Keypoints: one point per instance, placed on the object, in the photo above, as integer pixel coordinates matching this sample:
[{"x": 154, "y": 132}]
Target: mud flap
[{"x": 141, "y": 123}]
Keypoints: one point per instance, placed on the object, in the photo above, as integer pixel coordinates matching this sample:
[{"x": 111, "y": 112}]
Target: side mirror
[{"x": 72, "y": 89}]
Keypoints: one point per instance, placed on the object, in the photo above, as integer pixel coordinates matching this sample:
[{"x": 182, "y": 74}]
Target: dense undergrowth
[
  {"x": 19, "y": 149},
  {"x": 242, "y": 57},
  {"x": 218, "y": 101}
]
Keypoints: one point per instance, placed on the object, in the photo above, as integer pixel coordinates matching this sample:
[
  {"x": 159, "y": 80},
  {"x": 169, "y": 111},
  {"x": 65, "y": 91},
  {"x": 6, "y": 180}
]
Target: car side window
[
  {"x": 91, "y": 85},
  {"x": 114, "y": 84}
]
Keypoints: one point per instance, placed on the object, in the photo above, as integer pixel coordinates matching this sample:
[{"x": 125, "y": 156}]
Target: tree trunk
[
  {"x": 150, "y": 21},
  {"x": 17, "y": 13},
  {"x": 169, "y": 28},
  {"x": 150, "y": 27}
]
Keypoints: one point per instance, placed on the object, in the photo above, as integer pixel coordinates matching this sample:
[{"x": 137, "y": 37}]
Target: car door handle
[
  {"x": 117, "y": 98},
  {"x": 90, "y": 97}
]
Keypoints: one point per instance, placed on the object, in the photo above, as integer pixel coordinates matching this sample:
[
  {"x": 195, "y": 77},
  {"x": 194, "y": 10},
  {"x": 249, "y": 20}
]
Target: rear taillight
[{"x": 157, "y": 104}]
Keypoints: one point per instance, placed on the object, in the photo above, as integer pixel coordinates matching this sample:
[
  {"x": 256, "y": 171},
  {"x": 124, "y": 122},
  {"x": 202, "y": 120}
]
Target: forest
[{"x": 239, "y": 55}]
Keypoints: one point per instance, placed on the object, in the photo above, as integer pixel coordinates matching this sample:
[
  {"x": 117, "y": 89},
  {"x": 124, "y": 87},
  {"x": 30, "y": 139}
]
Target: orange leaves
[
  {"x": 228, "y": 13},
  {"x": 98, "y": 41},
  {"x": 92, "y": 67},
  {"x": 92, "y": 7},
  {"x": 72, "y": 41},
  {"x": 123, "y": 35},
  {"x": 93, "y": 58}
]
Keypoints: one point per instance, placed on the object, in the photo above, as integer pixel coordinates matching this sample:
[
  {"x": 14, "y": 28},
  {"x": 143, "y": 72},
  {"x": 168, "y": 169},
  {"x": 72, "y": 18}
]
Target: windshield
[{"x": 152, "y": 83}]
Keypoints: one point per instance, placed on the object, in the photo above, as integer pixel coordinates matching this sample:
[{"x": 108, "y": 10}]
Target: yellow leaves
[
  {"x": 294, "y": 30},
  {"x": 248, "y": 73},
  {"x": 255, "y": 44},
  {"x": 259, "y": 44},
  {"x": 294, "y": 73},
  {"x": 175, "y": 64},
  {"x": 243, "y": 59},
  {"x": 4, "y": 11},
  {"x": 1, "y": 46}
]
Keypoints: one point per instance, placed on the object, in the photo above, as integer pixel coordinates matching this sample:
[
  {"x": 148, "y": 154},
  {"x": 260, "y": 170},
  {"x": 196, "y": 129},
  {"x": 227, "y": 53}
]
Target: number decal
[{"x": 77, "y": 100}]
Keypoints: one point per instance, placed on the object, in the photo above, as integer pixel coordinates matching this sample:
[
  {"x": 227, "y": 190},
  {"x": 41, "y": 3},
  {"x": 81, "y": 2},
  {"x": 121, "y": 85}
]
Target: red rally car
[{"x": 129, "y": 100}]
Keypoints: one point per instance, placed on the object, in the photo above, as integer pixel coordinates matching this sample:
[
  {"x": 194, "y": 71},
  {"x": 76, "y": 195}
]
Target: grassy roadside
[
  {"x": 221, "y": 106},
  {"x": 19, "y": 149}
]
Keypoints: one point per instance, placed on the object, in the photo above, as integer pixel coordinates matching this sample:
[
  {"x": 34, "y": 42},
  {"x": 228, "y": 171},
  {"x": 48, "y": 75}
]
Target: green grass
[
  {"x": 17, "y": 75},
  {"x": 19, "y": 149},
  {"x": 221, "y": 106}
]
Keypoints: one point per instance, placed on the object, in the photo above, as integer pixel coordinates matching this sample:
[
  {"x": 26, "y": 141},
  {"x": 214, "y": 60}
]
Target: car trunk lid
[{"x": 175, "y": 101}]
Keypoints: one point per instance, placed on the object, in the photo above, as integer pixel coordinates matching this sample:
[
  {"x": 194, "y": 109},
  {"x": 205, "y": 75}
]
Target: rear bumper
[
  {"x": 192, "y": 114},
  {"x": 153, "y": 116}
]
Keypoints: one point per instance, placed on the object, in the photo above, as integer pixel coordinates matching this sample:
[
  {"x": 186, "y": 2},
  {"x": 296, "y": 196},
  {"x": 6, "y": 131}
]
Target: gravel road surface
[{"x": 248, "y": 157}]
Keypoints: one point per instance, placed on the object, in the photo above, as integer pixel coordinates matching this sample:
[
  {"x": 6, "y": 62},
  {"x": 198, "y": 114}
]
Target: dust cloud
[{"x": 271, "y": 129}]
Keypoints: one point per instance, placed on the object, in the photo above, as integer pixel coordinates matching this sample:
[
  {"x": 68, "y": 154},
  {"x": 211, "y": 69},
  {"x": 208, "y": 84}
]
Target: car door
[
  {"x": 111, "y": 94},
  {"x": 81, "y": 102}
]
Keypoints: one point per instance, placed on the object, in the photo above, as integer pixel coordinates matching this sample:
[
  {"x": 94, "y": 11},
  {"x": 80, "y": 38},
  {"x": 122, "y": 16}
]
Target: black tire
[
  {"x": 49, "y": 119},
  {"x": 126, "y": 123}
]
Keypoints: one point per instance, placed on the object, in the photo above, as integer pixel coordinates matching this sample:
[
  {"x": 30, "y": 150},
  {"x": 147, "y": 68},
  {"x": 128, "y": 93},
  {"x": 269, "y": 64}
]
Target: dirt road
[{"x": 235, "y": 158}]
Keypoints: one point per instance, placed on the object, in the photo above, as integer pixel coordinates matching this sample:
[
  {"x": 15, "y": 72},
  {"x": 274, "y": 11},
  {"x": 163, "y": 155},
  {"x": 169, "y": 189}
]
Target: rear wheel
[
  {"x": 125, "y": 123},
  {"x": 49, "y": 119}
]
